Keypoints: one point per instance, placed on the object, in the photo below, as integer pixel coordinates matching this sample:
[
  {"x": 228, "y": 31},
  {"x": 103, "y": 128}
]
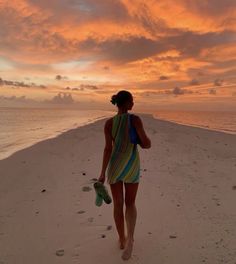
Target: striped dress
[{"x": 124, "y": 163}]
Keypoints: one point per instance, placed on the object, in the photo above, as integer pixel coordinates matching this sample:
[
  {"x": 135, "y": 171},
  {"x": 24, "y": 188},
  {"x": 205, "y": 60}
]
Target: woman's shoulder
[
  {"x": 136, "y": 121},
  {"x": 135, "y": 117}
]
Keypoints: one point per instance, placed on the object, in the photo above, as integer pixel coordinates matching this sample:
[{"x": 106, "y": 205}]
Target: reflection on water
[
  {"x": 21, "y": 127},
  {"x": 220, "y": 121}
]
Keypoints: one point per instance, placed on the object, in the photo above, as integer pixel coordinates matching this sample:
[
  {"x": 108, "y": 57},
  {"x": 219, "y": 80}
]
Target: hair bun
[{"x": 114, "y": 99}]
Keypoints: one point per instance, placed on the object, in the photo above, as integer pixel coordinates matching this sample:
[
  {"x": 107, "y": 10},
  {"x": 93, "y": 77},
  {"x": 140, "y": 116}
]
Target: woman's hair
[{"x": 121, "y": 98}]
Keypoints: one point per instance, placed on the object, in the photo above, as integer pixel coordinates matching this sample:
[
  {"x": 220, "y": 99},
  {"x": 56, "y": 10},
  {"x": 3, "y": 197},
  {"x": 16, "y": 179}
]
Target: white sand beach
[{"x": 185, "y": 202}]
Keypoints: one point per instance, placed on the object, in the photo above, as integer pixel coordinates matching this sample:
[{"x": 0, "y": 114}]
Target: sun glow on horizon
[{"x": 167, "y": 52}]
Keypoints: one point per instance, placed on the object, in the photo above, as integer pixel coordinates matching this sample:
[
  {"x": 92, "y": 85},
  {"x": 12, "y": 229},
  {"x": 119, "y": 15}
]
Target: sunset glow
[{"x": 170, "y": 54}]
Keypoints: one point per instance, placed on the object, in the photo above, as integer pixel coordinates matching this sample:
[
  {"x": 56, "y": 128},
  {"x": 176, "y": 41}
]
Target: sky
[{"x": 169, "y": 54}]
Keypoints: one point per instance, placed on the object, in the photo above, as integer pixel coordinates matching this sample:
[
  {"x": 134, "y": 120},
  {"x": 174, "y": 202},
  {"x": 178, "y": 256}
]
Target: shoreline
[
  {"x": 56, "y": 134},
  {"x": 102, "y": 118},
  {"x": 197, "y": 126}
]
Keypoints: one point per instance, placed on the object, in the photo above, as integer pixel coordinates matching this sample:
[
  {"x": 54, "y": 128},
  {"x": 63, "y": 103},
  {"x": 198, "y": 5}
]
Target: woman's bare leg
[
  {"x": 130, "y": 216},
  {"x": 118, "y": 202}
]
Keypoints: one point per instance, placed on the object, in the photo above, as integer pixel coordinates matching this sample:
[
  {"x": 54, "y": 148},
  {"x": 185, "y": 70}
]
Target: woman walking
[{"x": 122, "y": 158}]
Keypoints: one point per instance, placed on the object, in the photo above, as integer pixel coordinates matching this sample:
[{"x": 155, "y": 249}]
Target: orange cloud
[{"x": 144, "y": 46}]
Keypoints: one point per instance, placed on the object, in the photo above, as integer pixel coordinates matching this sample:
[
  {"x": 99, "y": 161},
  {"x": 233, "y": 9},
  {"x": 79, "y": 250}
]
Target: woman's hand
[{"x": 102, "y": 178}]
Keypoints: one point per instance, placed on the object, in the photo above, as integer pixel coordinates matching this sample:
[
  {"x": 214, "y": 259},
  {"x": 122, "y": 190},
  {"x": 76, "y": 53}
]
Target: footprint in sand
[
  {"x": 81, "y": 212},
  {"x": 109, "y": 227},
  {"x": 86, "y": 189},
  {"x": 75, "y": 256},
  {"x": 90, "y": 219},
  {"x": 60, "y": 252}
]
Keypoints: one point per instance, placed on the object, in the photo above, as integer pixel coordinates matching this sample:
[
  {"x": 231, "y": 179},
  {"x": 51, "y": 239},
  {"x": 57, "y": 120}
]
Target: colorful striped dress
[{"x": 124, "y": 164}]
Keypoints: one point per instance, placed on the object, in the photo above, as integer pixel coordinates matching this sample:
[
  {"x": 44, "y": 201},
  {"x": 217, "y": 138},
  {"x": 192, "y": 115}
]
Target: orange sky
[{"x": 170, "y": 54}]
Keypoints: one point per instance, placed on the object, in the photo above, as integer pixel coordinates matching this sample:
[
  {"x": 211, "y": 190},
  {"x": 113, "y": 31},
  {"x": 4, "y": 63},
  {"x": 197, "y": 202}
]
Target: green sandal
[{"x": 101, "y": 194}]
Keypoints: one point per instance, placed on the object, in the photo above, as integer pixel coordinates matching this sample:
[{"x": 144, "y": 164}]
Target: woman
[{"x": 123, "y": 162}]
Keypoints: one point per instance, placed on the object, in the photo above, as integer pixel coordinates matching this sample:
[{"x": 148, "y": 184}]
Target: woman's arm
[
  {"x": 107, "y": 150},
  {"x": 145, "y": 141}
]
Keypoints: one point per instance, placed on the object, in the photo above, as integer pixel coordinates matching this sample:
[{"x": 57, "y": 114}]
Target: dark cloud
[
  {"x": 77, "y": 89},
  {"x": 88, "y": 86},
  {"x": 190, "y": 44},
  {"x": 218, "y": 82},
  {"x": 60, "y": 77},
  {"x": 212, "y": 91},
  {"x": 119, "y": 50},
  {"x": 177, "y": 91},
  {"x": 32, "y": 34},
  {"x": 18, "y": 100},
  {"x": 194, "y": 82},
  {"x": 163, "y": 78},
  {"x": 20, "y": 84},
  {"x": 82, "y": 87},
  {"x": 200, "y": 73},
  {"x": 212, "y": 8},
  {"x": 74, "y": 88},
  {"x": 62, "y": 98}
]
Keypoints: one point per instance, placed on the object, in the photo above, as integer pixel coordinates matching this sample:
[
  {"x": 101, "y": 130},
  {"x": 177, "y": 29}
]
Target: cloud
[
  {"x": 20, "y": 84},
  {"x": 133, "y": 43},
  {"x": 180, "y": 91},
  {"x": 212, "y": 91},
  {"x": 60, "y": 77},
  {"x": 214, "y": 8},
  {"x": 194, "y": 82},
  {"x": 88, "y": 86},
  {"x": 17, "y": 101},
  {"x": 62, "y": 98},
  {"x": 218, "y": 82},
  {"x": 163, "y": 78},
  {"x": 133, "y": 48},
  {"x": 177, "y": 91}
]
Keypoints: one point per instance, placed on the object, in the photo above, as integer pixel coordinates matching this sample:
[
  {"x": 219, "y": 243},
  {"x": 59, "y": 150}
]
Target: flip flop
[
  {"x": 102, "y": 192},
  {"x": 99, "y": 200}
]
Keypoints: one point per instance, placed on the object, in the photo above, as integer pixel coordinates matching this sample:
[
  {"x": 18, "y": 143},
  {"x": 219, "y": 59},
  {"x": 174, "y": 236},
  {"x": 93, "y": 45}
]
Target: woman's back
[
  {"x": 124, "y": 163},
  {"x": 120, "y": 133}
]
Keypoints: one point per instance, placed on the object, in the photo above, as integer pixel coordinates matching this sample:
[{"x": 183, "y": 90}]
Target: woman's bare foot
[
  {"x": 122, "y": 243},
  {"x": 128, "y": 250}
]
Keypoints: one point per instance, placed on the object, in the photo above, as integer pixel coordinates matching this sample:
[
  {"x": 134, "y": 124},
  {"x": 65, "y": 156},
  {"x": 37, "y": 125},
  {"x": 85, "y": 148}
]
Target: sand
[{"x": 185, "y": 202}]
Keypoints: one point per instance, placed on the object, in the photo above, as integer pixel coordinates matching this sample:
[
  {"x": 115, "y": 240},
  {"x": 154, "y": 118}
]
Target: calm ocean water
[
  {"x": 212, "y": 120},
  {"x": 21, "y": 127}
]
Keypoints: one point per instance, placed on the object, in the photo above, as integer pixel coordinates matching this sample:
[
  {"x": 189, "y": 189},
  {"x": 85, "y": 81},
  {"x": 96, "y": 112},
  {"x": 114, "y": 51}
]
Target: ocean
[
  {"x": 224, "y": 121},
  {"x": 23, "y": 127}
]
